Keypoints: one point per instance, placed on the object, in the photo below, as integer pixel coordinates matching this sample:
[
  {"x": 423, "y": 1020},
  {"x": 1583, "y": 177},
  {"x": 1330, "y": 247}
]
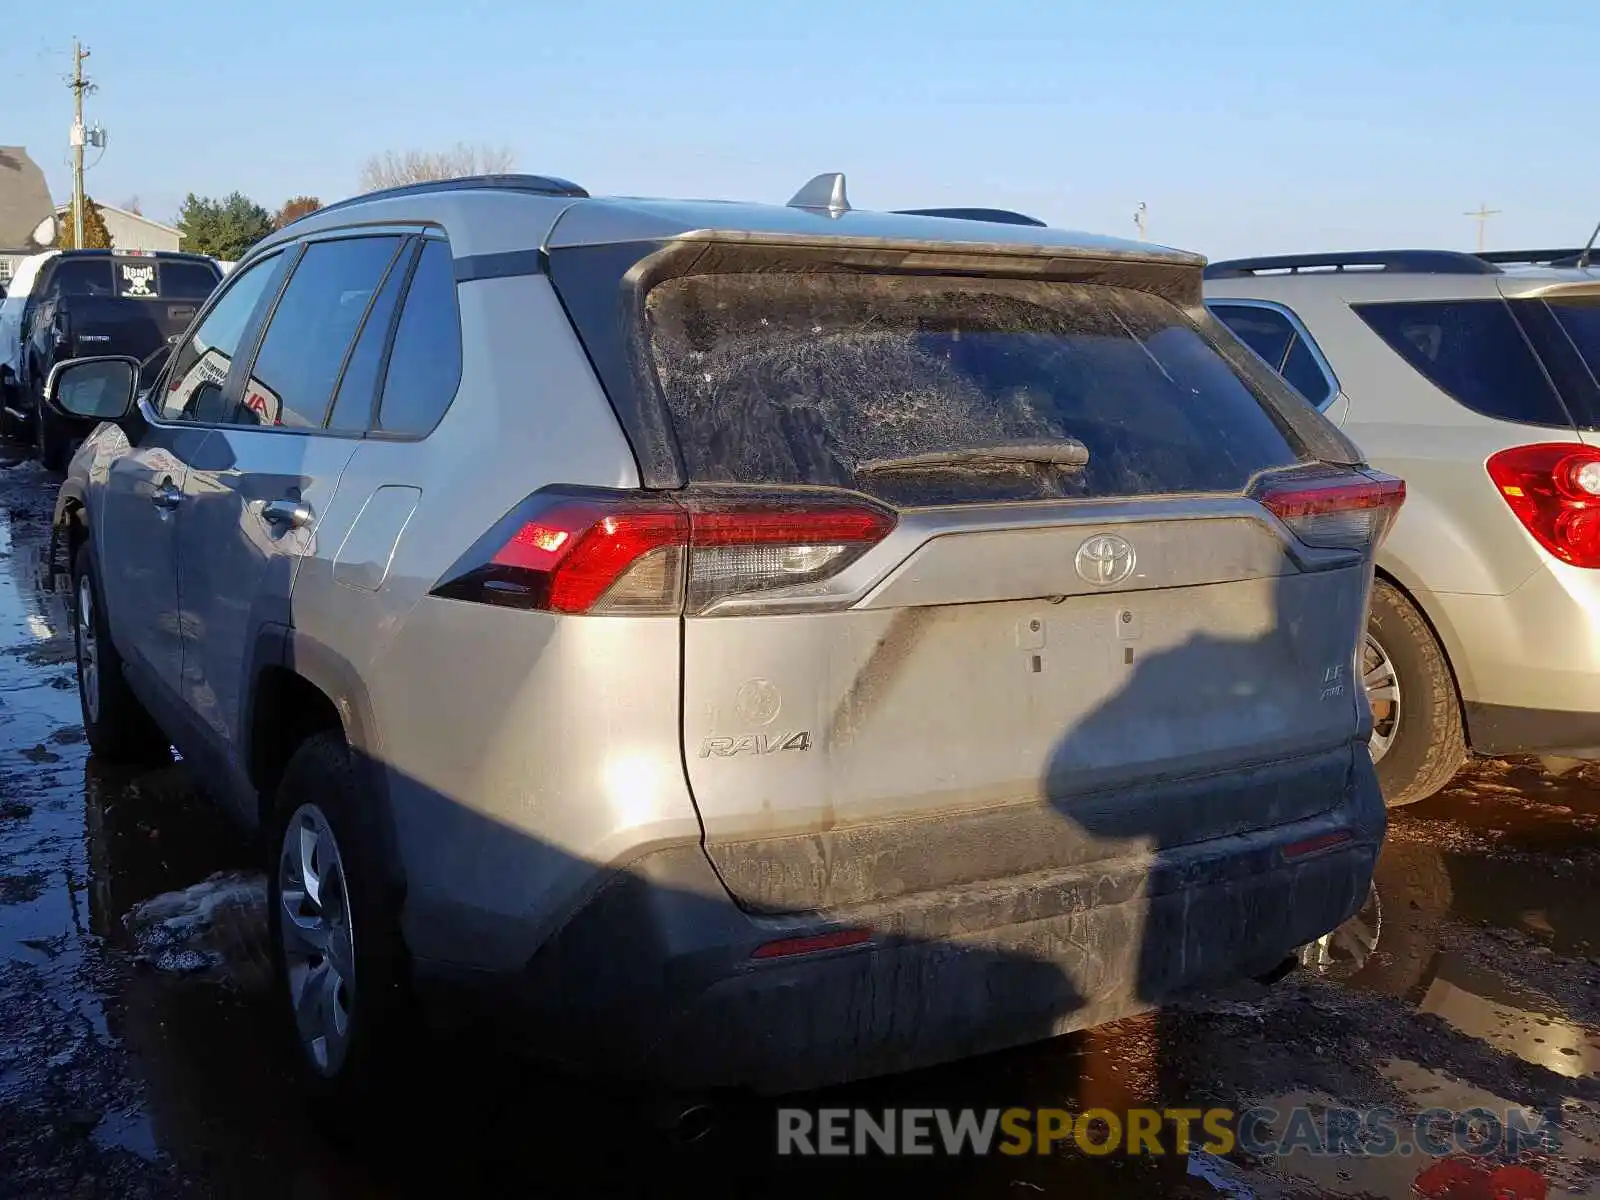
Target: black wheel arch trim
[
  {"x": 336, "y": 678},
  {"x": 1379, "y": 574}
]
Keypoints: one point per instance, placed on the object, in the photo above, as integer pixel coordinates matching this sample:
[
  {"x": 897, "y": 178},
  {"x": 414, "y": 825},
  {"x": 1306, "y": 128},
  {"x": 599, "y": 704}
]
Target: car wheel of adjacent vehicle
[
  {"x": 12, "y": 427},
  {"x": 117, "y": 725},
  {"x": 49, "y": 440},
  {"x": 339, "y": 958},
  {"x": 1417, "y": 740}
]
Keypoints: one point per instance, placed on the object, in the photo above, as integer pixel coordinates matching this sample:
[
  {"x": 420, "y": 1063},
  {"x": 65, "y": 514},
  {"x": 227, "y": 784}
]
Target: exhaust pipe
[{"x": 686, "y": 1121}]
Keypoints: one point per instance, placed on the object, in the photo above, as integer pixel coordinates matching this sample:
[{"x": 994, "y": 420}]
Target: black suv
[{"x": 90, "y": 302}]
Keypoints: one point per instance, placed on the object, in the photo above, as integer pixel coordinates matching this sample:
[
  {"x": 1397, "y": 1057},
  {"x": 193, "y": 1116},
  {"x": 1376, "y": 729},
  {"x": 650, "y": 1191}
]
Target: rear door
[
  {"x": 256, "y": 492},
  {"x": 904, "y": 671}
]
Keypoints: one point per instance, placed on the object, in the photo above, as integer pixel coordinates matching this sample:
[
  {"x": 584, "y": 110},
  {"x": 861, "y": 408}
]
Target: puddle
[{"x": 1553, "y": 1150}]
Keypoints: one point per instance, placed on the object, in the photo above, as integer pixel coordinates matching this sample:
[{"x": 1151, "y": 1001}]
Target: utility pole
[
  {"x": 1140, "y": 216},
  {"x": 1482, "y": 216},
  {"x": 80, "y": 87}
]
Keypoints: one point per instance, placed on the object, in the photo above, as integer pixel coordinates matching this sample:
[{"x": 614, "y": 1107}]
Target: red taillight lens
[
  {"x": 583, "y": 555},
  {"x": 637, "y": 554},
  {"x": 1349, "y": 511},
  {"x": 1554, "y": 489}
]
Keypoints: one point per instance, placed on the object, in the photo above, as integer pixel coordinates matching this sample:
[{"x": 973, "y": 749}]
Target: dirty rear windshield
[{"x": 783, "y": 379}]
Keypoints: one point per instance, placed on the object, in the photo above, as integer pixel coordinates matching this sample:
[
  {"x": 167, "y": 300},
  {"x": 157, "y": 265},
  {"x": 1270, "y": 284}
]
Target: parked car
[
  {"x": 1477, "y": 378},
  {"x": 753, "y": 645},
  {"x": 78, "y": 302}
]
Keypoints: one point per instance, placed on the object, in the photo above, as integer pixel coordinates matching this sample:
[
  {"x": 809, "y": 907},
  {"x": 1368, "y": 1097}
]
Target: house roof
[
  {"x": 129, "y": 213},
  {"x": 24, "y": 198}
]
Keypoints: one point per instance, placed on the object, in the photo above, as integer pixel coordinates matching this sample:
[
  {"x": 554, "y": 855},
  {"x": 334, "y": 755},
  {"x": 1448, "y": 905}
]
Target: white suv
[{"x": 1476, "y": 378}]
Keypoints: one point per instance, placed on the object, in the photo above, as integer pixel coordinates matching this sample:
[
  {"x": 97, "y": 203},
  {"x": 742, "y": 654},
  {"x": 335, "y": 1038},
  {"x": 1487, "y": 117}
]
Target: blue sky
[{"x": 1251, "y": 128}]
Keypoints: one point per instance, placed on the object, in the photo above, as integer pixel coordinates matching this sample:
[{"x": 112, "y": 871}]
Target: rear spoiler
[{"x": 999, "y": 216}]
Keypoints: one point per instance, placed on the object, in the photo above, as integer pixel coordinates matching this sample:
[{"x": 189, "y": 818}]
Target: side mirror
[{"x": 97, "y": 389}]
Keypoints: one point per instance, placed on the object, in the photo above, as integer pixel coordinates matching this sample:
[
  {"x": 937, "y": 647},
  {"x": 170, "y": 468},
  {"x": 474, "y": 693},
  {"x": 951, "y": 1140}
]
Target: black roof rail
[
  {"x": 537, "y": 185},
  {"x": 1417, "y": 262},
  {"x": 998, "y": 216},
  {"x": 1534, "y": 258}
]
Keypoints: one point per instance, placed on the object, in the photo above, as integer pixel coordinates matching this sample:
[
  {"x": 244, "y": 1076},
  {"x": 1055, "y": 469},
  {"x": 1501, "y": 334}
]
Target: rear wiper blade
[{"x": 1068, "y": 453}]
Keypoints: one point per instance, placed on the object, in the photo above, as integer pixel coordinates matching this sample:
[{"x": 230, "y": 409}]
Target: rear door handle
[
  {"x": 287, "y": 513},
  {"x": 168, "y": 496}
]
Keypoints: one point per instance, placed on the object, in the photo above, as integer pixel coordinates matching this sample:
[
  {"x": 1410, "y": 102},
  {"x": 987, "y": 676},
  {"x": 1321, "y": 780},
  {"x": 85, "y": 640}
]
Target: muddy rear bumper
[{"x": 656, "y": 979}]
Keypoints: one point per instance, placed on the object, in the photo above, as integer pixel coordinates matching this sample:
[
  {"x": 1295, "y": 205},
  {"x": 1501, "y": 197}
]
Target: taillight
[
  {"x": 621, "y": 553},
  {"x": 1554, "y": 489},
  {"x": 742, "y": 547},
  {"x": 1349, "y": 510}
]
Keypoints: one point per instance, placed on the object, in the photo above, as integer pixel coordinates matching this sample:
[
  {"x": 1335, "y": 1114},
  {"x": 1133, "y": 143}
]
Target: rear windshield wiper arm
[{"x": 1068, "y": 453}]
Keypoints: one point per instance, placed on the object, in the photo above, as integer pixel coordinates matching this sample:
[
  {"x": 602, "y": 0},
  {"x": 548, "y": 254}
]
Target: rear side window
[
  {"x": 1474, "y": 352},
  {"x": 1580, "y": 319},
  {"x": 187, "y": 280},
  {"x": 809, "y": 378},
  {"x": 1283, "y": 343},
  {"x": 312, "y": 329},
  {"x": 1265, "y": 331},
  {"x": 352, "y": 408},
  {"x": 82, "y": 277},
  {"x": 425, "y": 364}
]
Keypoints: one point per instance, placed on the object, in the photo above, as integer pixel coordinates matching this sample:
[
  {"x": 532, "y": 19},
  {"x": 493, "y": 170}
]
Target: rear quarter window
[
  {"x": 1474, "y": 352},
  {"x": 785, "y": 379}
]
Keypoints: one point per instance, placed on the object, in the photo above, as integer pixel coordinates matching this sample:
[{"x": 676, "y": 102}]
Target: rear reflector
[
  {"x": 1554, "y": 490},
  {"x": 1316, "y": 845},
  {"x": 634, "y": 553},
  {"x": 835, "y": 939},
  {"x": 1350, "y": 510}
]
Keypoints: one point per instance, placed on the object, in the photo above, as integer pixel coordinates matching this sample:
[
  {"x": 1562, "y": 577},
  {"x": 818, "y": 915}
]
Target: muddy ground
[{"x": 149, "y": 1061}]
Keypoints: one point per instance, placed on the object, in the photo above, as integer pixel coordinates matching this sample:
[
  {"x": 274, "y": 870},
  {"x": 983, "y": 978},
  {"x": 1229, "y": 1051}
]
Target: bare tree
[
  {"x": 131, "y": 204},
  {"x": 393, "y": 168}
]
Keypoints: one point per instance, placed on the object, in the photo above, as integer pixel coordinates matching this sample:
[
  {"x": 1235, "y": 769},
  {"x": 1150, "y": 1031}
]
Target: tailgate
[
  {"x": 1004, "y": 665},
  {"x": 985, "y": 712}
]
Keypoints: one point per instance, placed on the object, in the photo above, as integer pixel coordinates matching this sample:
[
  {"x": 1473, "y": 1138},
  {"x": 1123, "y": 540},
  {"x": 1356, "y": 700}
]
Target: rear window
[
  {"x": 784, "y": 379},
  {"x": 82, "y": 277},
  {"x": 1474, "y": 352},
  {"x": 188, "y": 280}
]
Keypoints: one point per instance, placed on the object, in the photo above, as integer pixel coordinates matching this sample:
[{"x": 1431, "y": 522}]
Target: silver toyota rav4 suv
[
  {"x": 739, "y": 644},
  {"x": 1476, "y": 377}
]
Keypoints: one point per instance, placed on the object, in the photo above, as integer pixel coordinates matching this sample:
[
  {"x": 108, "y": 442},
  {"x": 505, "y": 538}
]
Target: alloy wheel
[
  {"x": 318, "y": 938},
  {"x": 1382, "y": 682},
  {"x": 88, "y": 650}
]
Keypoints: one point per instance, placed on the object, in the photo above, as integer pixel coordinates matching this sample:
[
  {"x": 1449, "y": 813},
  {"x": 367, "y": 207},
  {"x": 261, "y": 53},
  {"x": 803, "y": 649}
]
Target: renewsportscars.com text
[{"x": 1150, "y": 1131}]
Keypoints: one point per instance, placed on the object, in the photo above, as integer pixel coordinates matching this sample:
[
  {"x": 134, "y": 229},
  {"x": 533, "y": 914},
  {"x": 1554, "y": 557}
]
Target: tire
[
  {"x": 11, "y": 427},
  {"x": 1426, "y": 745},
  {"x": 118, "y": 726},
  {"x": 354, "y": 994},
  {"x": 50, "y": 442}
]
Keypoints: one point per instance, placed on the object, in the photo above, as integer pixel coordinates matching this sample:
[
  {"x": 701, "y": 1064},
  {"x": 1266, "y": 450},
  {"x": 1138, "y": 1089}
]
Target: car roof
[
  {"x": 812, "y": 215},
  {"x": 1371, "y": 273}
]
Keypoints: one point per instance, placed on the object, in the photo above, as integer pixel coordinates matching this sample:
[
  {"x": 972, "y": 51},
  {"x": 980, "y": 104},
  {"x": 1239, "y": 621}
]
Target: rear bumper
[
  {"x": 658, "y": 983},
  {"x": 1502, "y": 729},
  {"x": 1534, "y": 651}
]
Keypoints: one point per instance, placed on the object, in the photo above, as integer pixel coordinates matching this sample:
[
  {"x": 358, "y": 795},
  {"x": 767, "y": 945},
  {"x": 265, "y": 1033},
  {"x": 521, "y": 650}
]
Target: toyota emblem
[{"x": 1105, "y": 559}]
